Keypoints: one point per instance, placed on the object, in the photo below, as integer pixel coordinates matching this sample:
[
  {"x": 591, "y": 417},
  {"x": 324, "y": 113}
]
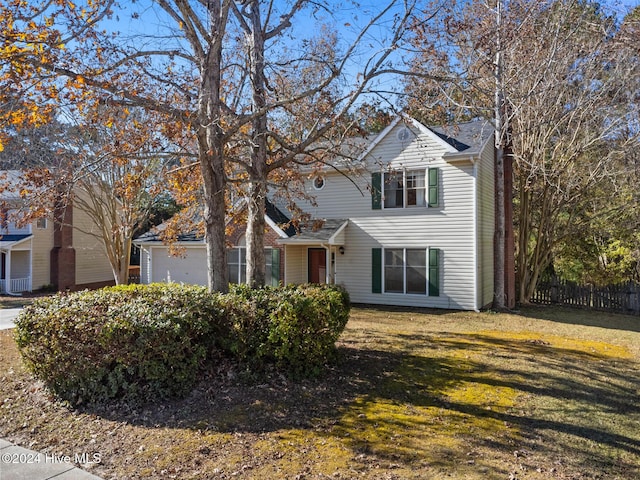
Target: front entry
[{"x": 317, "y": 265}]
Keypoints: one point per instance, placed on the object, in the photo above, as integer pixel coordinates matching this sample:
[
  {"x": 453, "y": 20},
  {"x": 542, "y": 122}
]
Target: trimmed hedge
[
  {"x": 134, "y": 342},
  {"x": 142, "y": 342},
  {"x": 294, "y": 328}
]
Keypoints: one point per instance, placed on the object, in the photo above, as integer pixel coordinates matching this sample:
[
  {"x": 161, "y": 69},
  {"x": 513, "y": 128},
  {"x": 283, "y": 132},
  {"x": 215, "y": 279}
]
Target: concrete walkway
[
  {"x": 7, "y": 316},
  {"x": 17, "y": 463}
]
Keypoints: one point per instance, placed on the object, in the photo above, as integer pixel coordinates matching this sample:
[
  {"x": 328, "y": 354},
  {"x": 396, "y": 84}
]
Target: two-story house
[
  {"x": 413, "y": 226},
  {"x": 57, "y": 251}
]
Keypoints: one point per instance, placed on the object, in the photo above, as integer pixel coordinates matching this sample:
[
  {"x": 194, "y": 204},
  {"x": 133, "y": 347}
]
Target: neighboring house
[
  {"x": 49, "y": 251},
  {"x": 157, "y": 264},
  {"x": 414, "y": 226}
]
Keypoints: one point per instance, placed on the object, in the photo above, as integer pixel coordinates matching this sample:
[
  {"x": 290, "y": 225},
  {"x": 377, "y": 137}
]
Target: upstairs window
[
  {"x": 393, "y": 190},
  {"x": 405, "y": 189},
  {"x": 415, "y": 188}
]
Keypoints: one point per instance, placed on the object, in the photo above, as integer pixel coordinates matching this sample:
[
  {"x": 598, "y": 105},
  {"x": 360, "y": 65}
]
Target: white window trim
[{"x": 319, "y": 177}]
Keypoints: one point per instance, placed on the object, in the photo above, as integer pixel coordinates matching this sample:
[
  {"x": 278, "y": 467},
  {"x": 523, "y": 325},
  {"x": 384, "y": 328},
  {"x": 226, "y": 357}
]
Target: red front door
[{"x": 317, "y": 265}]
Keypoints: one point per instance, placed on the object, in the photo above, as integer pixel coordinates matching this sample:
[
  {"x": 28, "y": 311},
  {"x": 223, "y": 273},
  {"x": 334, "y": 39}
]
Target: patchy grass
[{"x": 545, "y": 393}]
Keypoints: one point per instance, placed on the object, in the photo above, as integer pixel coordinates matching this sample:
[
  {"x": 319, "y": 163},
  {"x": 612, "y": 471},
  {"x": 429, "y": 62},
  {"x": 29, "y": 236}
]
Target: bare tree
[
  {"x": 565, "y": 77},
  {"x": 197, "y": 66},
  {"x": 109, "y": 167}
]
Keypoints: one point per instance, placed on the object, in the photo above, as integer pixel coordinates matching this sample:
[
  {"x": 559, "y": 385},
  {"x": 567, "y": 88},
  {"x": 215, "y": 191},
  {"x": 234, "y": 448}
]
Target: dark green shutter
[
  {"x": 433, "y": 187},
  {"x": 434, "y": 272},
  {"x": 376, "y": 270},
  {"x": 376, "y": 191},
  {"x": 275, "y": 266}
]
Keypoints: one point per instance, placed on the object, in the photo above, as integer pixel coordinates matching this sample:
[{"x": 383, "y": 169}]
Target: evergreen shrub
[
  {"x": 143, "y": 342},
  {"x": 133, "y": 342}
]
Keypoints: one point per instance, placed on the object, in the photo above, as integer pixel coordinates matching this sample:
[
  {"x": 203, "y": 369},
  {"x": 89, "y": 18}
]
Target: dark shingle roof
[
  {"x": 271, "y": 210},
  {"x": 468, "y": 137},
  {"x": 13, "y": 238},
  {"x": 321, "y": 230},
  {"x": 279, "y": 218}
]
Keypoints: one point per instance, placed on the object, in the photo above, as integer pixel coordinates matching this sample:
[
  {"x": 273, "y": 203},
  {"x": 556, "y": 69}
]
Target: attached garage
[
  {"x": 157, "y": 265},
  {"x": 190, "y": 267}
]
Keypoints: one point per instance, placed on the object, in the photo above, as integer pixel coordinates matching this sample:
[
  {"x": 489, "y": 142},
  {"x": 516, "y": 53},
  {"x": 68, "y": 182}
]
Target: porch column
[
  {"x": 327, "y": 266},
  {"x": 7, "y": 269}
]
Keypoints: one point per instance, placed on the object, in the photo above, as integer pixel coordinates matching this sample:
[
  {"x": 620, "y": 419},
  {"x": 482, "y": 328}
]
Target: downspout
[
  {"x": 476, "y": 255},
  {"x": 31, "y": 264}
]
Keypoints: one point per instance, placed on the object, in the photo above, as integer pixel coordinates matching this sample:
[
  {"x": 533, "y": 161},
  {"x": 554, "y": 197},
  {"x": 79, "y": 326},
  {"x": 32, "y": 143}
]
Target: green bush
[
  {"x": 135, "y": 342},
  {"x": 294, "y": 327},
  {"x": 142, "y": 342}
]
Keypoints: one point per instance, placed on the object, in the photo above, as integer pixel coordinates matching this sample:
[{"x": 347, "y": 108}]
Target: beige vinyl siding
[
  {"x": 297, "y": 264},
  {"x": 20, "y": 263},
  {"x": 42, "y": 243},
  {"x": 353, "y": 269},
  {"x": 486, "y": 225},
  {"x": 92, "y": 263}
]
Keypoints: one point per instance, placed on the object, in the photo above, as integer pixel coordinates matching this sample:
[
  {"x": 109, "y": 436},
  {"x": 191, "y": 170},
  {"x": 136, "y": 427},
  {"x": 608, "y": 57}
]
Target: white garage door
[{"x": 191, "y": 267}]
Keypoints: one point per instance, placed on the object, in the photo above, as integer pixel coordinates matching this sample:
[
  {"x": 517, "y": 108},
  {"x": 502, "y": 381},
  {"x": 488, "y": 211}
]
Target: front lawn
[{"x": 547, "y": 393}]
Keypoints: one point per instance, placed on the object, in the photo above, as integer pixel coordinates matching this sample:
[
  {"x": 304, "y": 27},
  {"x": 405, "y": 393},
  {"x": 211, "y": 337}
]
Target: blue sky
[{"x": 346, "y": 17}]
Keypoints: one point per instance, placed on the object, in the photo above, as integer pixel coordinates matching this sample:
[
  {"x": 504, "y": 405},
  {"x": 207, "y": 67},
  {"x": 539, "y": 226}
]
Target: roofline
[
  {"x": 8, "y": 245},
  {"x": 403, "y": 116},
  {"x": 300, "y": 241},
  {"x": 275, "y": 226},
  {"x": 181, "y": 243},
  {"x": 340, "y": 229},
  {"x": 461, "y": 157},
  {"x": 315, "y": 241}
]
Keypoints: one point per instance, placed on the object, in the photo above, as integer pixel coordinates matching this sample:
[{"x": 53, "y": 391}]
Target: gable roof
[
  {"x": 468, "y": 137},
  {"x": 407, "y": 119},
  {"x": 273, "y": 216},
  {"x": 8, "y": 241},
  {"x": 317, "y": 232}
]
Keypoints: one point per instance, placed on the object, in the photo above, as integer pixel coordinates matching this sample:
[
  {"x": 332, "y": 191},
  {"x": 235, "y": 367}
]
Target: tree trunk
[
  {"x": 214, "y": 181},
  {"x": 523, "y": 237},
  {"x": 125, "y": 260},
  {"x": 499, "y": 297},
  {"x": 211, "y": 149},
  {"x": 258, "y": 165}
]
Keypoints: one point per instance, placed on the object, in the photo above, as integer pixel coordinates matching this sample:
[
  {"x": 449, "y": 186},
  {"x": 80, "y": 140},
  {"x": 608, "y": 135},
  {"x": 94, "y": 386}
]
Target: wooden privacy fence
[{"x": 623, "y": 298}]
